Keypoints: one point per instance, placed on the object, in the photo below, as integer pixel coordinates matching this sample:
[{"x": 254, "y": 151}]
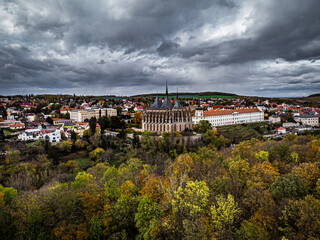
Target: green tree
[
  {"x": 203, "y": 126},
  {"x": 191, "y": 200},
  {"x": 65, "y": 146},
  {"x": 104, "y": 122},
  {"x": 35, "y": 226},
  {"x": 147, "y": 218},
  {"x": 83, "y": 181},
  {"x": 223, "y": 216},
  {"x": 93, "y": 124},
  {"x": 111, "y": 183},
  {"x": 263, "y": 156},
  {"x": 300, "y": 219},
  {"x": 74, "y": 136},
  {"x": 288, "y": 185},
  {"x": 96, "y": 155},
  {"x": 9, "y": 193},
  {"x": 95, "y": 228}
]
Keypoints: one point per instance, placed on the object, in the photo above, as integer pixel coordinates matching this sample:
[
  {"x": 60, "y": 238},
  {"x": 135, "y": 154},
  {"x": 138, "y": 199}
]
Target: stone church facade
[{"x": 165, "y": 117}]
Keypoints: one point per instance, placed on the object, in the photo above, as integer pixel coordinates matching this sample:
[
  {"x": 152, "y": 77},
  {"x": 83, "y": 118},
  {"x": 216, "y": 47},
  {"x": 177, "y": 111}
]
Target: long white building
[
  {"x": 79, "y": 115},
  {"x": 222, "y": 117},
  {"x": 308, "y": 120}
]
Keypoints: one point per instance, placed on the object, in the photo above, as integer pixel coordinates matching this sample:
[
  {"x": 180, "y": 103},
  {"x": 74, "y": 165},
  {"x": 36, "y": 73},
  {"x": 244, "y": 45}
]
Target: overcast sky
[{"x": 124, "y": 47}]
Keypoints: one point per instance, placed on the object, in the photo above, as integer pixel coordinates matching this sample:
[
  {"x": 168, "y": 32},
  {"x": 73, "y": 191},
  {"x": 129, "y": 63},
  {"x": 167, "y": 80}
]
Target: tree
[
  {"x": 147, "y": 218},
  {"x": 47, "y": 143},
  {"x": 309, "y": 173},
  {"x": 119, "y": 111},
  {"x": 74, "y": 136},
  {"x": 49, "y": 120},
  {"x": 223, "y": 216},
  {"x": 93, "y": 124},
  {"x": 202, "y": 126},
  {"x": 117, "y": 123},
  {"x": 2, "y": 136},
  {"x": 9, "y": 193},
  {"x": 300, "y": 219},
  {"x": 104, "y": 122},
  {"x": 137, "y": 118},
  {"x": 13, "y": 156},
  {"x": 191, "y": 200},
  {"x": 83, "y": 181},
  {"x": 95, "y": 228},
  {"x": 288, "y": 185},
  {"x": 35, "y": 225},
  {"x": 96, "y": 155},
  {"x": 3, "y": 112},
  {"x": 111, "y": 183},
  {"x": 262, "y": 156},
  {"x": 65, "y": 146},
  {"x": 136, "y": 140},
  {"x": 80, "y": 144}
]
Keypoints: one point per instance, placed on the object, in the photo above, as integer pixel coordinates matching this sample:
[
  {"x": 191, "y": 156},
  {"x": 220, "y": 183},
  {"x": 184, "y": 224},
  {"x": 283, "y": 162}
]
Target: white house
[
  {"x": 275, "y": 119},
  {"x": 281, "y": 130},
  {"x": 36, "y": 134},
  {"x": 17, "y": 125},
  {"x": 30, "y": 117},
  {"x": 221, "y": 117}
]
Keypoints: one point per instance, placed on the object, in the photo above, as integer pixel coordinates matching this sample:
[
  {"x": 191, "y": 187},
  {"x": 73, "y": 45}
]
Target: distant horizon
[{"x": 160, "y": 94}]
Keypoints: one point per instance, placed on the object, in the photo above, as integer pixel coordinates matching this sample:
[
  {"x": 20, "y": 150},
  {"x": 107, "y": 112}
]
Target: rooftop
[{"x": 229, "y": 111}]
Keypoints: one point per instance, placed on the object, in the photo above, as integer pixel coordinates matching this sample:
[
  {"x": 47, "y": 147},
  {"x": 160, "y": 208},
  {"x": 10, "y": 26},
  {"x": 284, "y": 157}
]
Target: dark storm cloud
[
  {"x": 134, "y": 46},
  {"x": 167, "y": 48}
]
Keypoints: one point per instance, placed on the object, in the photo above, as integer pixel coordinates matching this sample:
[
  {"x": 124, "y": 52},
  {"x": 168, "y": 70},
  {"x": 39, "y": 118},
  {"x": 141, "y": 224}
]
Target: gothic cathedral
[{"x": 165, "y": 117}]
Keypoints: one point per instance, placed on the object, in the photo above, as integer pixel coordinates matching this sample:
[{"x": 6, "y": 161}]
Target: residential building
[
  {"x": 308, "y": 120},
  {"x": 80, "y": 127},
  {"x": 30, "y": 117},
  {"x": 275, "y": 119},
  {"x": 111, "y": 112},
  {"x": 281, "y": 130},
  {"x": 17, "y": 126},
  {"x": 80, "y": 115},
  {"x": 68, "y": 125},
  {"x": 223, "y": 117},
  {"x": 59, "y": 121},
  {"x": 36, "y": 134}
]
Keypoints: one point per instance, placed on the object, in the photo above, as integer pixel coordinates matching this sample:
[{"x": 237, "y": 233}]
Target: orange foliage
[
  {"x": 152, "y": 188},
  {"x": 92, "y": 205}
]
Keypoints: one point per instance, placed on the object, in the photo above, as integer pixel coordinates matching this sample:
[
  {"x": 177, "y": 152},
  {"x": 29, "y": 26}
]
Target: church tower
[{"x": 165, "y": 117}]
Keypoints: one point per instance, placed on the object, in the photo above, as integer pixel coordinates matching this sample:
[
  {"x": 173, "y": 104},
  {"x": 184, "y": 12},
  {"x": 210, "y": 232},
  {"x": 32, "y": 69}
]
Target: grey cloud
[
  {"x": 167, "y": 48},
  {"x": 143, "y": 43}
]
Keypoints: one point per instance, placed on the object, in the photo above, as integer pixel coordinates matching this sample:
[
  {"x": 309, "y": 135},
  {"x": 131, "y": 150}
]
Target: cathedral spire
[
  {"x": 166, "y": 87},
  {"x": 177, "y": 104},
  {"x": 166, "y": 103}
]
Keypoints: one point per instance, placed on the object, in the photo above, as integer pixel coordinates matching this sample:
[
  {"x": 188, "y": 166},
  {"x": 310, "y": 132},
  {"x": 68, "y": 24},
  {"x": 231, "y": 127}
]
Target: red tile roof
[
  {"x": 17, "y": 125},
  {"x": 230, "y": 111}
]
